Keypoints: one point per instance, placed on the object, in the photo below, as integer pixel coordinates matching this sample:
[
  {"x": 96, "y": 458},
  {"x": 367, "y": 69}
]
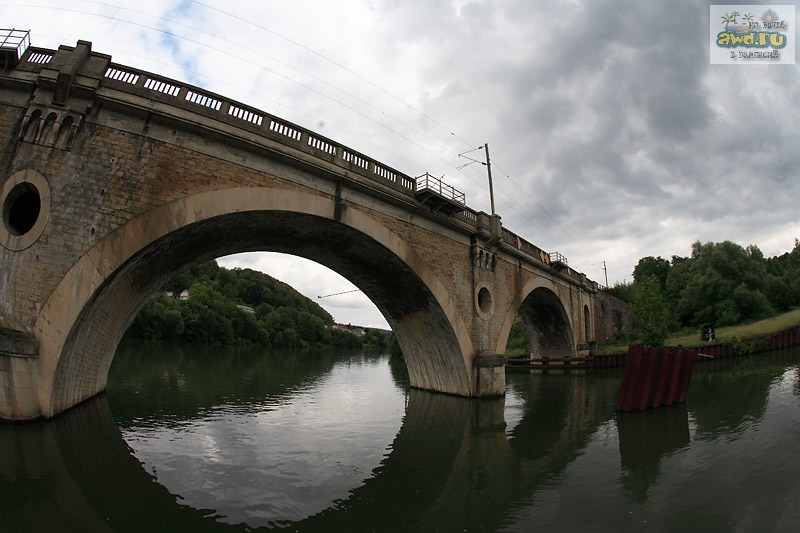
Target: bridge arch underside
[
  {"x": 547, "y": 324},
  {"x": 424, "y": 331}
]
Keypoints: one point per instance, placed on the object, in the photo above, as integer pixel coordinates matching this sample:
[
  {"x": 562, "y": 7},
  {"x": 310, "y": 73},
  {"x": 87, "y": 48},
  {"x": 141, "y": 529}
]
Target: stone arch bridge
[{"x": 114, "y": 180}]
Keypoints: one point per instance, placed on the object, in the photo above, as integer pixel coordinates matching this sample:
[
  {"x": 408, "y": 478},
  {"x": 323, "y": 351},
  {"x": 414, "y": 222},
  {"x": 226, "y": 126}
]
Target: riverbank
[
  {"x": 730, "y": 334},
  {"x": 786, "y": 338},
  {"x": 782, "y": 331}
]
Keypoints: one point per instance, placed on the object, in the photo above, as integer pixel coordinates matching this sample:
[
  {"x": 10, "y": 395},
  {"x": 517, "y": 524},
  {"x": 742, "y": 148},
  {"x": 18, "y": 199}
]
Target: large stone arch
[
  {"x": 546, "y": 319},
  {"x": 83, "y": 320}
]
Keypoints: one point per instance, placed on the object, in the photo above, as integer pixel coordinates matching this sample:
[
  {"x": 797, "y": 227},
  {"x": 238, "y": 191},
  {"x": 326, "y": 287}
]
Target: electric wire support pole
[{"x": 489, "y": 171}]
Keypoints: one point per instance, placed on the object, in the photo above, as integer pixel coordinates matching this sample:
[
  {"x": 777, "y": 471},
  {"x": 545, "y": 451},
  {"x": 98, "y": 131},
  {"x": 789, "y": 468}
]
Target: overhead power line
[
  {"x": 513, "y": 199},
  {"x": 338, "y": 293}
]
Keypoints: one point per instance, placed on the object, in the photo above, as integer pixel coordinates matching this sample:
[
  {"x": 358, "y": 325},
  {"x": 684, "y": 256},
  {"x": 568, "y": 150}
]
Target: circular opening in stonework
[
  {"x": 26, "y": 209},
  {"x": 485, "y": 300},
  {"x": 21, "y": 209}
]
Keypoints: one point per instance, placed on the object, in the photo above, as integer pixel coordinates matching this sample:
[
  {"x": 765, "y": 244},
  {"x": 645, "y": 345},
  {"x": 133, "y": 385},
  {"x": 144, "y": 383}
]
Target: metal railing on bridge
[
  {"x": 556, "y": 259},
  {"x": 146, "y": 84},
  {"x": 430, "y": 191},
  {"x": 131, "y": 80},
  {"x": 439, "y": 195}
]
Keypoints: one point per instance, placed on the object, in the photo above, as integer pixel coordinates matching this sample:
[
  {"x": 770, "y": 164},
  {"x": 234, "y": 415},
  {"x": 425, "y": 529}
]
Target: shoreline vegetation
[
  {"x": 731, "y": 290},
  {"x": 690, "y": 338},
  {"x": 734, "y": 290},
  {"x": 209, "y": 304}
]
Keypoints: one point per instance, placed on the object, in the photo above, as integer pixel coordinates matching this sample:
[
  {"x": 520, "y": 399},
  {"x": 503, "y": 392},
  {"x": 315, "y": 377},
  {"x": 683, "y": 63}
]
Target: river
[{"x": 192, "y": 438}]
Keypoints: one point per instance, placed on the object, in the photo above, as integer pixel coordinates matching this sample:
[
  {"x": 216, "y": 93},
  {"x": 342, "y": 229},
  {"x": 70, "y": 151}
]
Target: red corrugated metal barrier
[{"x": 655, "y": 377}]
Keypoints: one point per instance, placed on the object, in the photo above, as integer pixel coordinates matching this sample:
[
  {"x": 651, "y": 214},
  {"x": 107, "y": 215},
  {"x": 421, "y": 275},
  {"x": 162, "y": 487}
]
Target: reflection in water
[
  {"x": 448, "y": 470},
  {"x": 157, "y": 382},
  {"x": 644, "y": 438},
  {"x": 341, "y": 444},
  {"x": 727, "y": 403},
  {"x": 267, "y": 439},
  {"x": 690, "y": 467},
  {"x": 76, "y": 473}
]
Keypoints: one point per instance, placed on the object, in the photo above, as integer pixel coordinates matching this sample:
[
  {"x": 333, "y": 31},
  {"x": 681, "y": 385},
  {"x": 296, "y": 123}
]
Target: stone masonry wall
[{"x": 612, "y": 316}]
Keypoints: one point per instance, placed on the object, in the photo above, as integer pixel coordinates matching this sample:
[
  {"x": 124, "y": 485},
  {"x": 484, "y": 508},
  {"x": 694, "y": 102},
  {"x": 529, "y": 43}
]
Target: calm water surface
[{"x": 218, "y": 439}]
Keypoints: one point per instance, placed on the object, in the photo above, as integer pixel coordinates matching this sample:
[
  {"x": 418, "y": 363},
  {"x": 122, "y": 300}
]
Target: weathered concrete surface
[
  {"x": 137, "y": 177},
  {"x": 613, "y": 316}
]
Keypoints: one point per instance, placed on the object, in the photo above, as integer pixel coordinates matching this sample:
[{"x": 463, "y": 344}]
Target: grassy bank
[{"x": 691, "y": 337}]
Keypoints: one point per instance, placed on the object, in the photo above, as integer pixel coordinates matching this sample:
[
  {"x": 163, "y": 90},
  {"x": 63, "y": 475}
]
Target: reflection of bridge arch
[
  {"x": 473, "y": 474},
  {"x": 158, "y": 244}
]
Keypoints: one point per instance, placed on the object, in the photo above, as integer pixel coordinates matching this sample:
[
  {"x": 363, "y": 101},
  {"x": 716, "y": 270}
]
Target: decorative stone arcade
[{"x": 117, "y": 179}]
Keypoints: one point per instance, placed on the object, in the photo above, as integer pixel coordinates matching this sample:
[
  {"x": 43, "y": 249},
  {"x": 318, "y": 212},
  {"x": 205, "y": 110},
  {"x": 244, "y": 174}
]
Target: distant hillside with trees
[
  {"x": 720, "y": 283},
  {"x": 242, "y": 306}
]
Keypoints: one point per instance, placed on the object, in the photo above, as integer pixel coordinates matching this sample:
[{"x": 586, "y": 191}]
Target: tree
[
  {"x": 677, "y": 279},
  {"x": 376, "y": 339},
  {"x": 205, "y": 326},
  {"x": 651, "y": 312},
  {"x": 263, "y": 310},
  {"x": 148, "y": 323},
  {"x": 310, "y": 327},
  {"x": 784, "y": 291},
  {"x": 173, "y": 324},
  {"x": 288, "y": 338},
  {"x": 623, "y": 290},
  {"x": 228, "y": 284},
  {"x": 180, "y": 282},
  {"x": 721, "y": 283},
  {"x": 212, "y": 314},
  {"x": 652, "y": 266},
  {"x": 518, "y": 338}
]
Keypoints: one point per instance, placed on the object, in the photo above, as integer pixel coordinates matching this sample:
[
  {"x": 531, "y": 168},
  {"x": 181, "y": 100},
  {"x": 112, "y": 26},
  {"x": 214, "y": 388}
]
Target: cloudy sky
[{"x": 611, "y": 135}]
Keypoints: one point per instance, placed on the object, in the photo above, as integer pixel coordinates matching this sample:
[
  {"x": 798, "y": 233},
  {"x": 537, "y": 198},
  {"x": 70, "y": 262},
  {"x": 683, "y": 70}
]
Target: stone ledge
[
  {"x": 17, "y": 343},
  {"x": 489, "y": 360}
]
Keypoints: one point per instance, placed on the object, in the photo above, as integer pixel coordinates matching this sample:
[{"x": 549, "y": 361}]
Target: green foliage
[
  {"x": 651, "y": 312},
  {"x": 376, "y": 339},
  {"x": 624, "y": 291},
  {"x": 518, "y": 339},
  {"x": 157, "y": 321},
  {"x": 677, "y": 279},
  {"x": 721, "y": 283},
  {"x": 652, "y": 266},
  {"x": 726, "y": 284},
  {"x": 749, "y": 346},
  {"x": 394, "y": 348},
  {"x": 241, "y": 306},
  {"x": 344, "y": 339}
]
